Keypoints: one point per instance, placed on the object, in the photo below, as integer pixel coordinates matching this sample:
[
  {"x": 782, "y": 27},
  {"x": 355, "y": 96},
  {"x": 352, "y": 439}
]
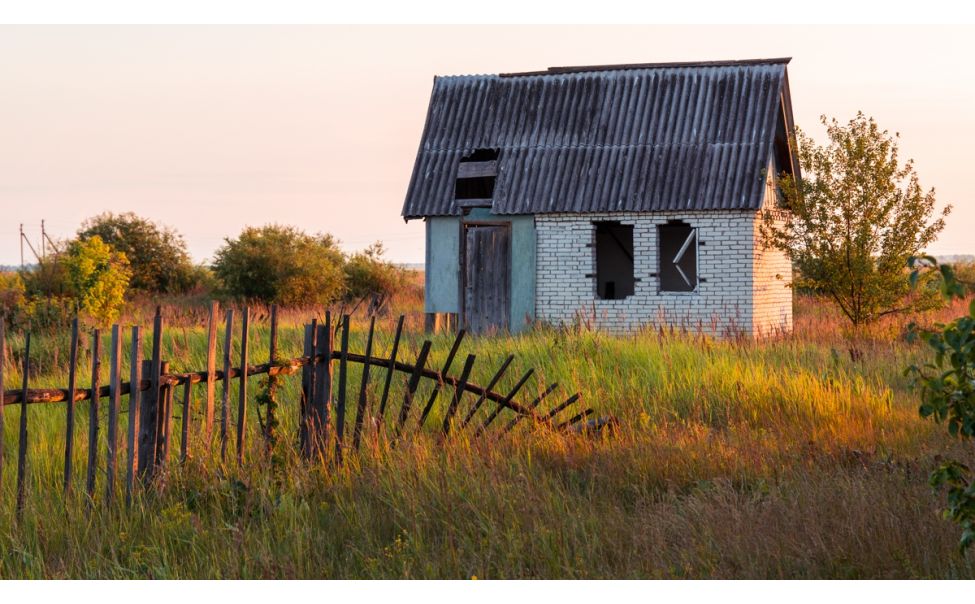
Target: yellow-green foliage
[{"x": 98, "y": 277}]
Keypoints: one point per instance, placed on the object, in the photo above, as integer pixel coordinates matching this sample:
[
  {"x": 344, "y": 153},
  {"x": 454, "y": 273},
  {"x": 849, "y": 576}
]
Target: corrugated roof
[{"x": 614, "y": 138}]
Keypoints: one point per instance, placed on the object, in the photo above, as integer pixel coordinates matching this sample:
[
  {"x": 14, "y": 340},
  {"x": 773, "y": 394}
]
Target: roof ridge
[{"x": 634, "y": 66}]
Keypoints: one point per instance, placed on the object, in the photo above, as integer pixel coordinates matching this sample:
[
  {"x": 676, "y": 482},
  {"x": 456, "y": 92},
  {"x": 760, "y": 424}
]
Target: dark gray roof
[{"x": 687, "y": 136}]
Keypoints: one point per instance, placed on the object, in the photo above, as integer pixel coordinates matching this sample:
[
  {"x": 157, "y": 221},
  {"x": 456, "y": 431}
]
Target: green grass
[{"x": 769, "y": 459}]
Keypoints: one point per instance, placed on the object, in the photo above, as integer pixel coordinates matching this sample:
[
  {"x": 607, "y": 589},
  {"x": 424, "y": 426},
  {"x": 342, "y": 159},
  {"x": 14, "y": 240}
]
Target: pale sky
[{"x": 212, "y": 128}]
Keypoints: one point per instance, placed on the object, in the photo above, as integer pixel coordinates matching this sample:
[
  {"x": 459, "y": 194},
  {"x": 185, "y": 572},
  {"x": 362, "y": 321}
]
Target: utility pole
[{"x": 21, "y": 246}]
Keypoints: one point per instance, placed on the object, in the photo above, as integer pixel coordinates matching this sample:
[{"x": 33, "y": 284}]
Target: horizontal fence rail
[{"x": 148, "y": 432}]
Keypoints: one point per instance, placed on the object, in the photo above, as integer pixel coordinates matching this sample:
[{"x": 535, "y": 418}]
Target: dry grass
[{"x": 781, "y": 458}]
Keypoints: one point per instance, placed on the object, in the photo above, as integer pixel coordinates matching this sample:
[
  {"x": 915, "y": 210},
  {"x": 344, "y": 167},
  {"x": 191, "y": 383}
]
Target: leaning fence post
[
  {"x": 530, "y": 407},
  {"x": 150, "y": 402},
  {"x": 211, "y": 369},
  {"x": 490, "y": 386},
  {"x": 165, "y": 416},
  {"x": 507, "y": 399},
  {"x": 22, "y": 444},
  {"x": 96, "y": 363},
  {"x": 135, "y": 390},
  {"x": 184, "y": 443},
  {"x": 270, "y": 419},
  {"x": 390, "y": 368},
  {"x": 114, "y": 396},
  {"x": 307, "y": 382},
  {"x": 361, "y": 407},
  {"x": 458, "y": 394},
  {"x": 340, "y": 405},
  {"x": 69, "y": 409},
  {"x": 321, "y": 390},
  {"x": 225, "y": 402},
  {"x": 443, "y": 374},
  {"x": 242, "y": 390},
  {"x": 411, "y": 386}
]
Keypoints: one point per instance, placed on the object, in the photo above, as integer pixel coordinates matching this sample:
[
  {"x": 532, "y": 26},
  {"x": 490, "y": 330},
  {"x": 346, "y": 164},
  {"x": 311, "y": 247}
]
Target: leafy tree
[
  {"x": 947, "y": 386},
  {"x": 367, "y": 274},
  {"x": 282, "y": 265},
  {"x": 157, "y": 254},
  {"x": 855, "y": 217},
  {"x": 98, "y": 277}
]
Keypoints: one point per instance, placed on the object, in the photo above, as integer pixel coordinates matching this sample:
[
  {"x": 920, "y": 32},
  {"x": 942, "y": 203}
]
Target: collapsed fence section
[{"x": 321, "y": 406}]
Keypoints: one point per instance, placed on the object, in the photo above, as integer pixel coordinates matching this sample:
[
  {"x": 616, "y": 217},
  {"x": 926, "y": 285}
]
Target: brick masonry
[{"x": 743, "y": 288}]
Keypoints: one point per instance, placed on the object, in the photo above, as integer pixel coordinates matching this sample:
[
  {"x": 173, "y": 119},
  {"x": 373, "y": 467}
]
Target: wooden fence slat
[
  {"x": 360, "y": 410},
  {"x": 3, "y": 356},
  {"x": 494, "y": 380},
  {"x": 22, "y": 443},
  {"x": 135, "y": 377},
  {"x": 556, "y": 410},
  {"x": 96, "y": 365},
  {"x": 575, "y": 419},
  {"x": 166, "y": 418},
  {"x": 443, "y": 372},
  {"x": 507, "y": 399},
  {"x": 343, "y": 374},
  {"x": 458, "y": 394},
  {"x": 228, "y": 341},
  {"x": 158, "y": 415},
  {"x": 390, "y": 368},
  {"x": 69, "y": 407},
  {"x": 211, "y": 370},
  {"x": 510, "y": 426},
  {"x": 149, "y": 402},
  {"x": 304, "y": 409},
  {"x": 270, "y": 420},
  {"x": 114, "y": 398},
  {"x": 412, "y": 384},
  {"x": 184, "y": 443},
  {"x": 321, "y": 397},
  {"x": 242, "y": 389}
]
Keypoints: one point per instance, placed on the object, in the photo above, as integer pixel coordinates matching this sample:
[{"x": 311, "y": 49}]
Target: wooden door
[{"x": 487, "y": 277}]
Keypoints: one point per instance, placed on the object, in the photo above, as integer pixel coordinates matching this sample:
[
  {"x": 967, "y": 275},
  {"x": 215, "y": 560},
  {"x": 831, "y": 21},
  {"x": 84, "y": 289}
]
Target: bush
[
  {"x": 98, "y": 276},
  {"x": 156, "y": 253},
  {"x": 12, "y": 298},
  {"x": 368, "y": 275},
  {"x": 281, "y": 265}
]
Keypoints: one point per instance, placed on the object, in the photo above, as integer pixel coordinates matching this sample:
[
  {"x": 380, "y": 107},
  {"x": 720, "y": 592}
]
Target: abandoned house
[{"x": 620, "y": 196}]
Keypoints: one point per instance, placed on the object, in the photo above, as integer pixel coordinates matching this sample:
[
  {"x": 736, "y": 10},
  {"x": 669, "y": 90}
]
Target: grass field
[{"x": 768, "y": 459}]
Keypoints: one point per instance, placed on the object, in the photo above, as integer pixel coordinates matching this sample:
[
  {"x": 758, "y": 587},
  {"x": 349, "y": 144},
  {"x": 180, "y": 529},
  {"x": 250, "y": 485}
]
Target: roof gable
[{"x": 598, "y": 139}]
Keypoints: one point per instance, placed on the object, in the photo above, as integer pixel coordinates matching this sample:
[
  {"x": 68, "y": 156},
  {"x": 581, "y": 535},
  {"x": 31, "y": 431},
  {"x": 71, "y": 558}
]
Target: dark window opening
[
  {"x": 476, "y": 174},
  {"x": 678, "y": 257},
  {"x": 614, "y": 260}
]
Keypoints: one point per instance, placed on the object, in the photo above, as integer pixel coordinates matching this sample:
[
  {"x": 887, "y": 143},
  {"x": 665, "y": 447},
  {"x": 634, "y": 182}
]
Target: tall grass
[{"x": 778, "y": 458}]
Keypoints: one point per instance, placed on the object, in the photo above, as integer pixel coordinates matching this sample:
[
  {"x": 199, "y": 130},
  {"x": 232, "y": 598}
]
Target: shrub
[
  {"x": 98, "y": 276},
  {"x": 156, "y": 253},
  {"x": 11, "y": 297},
  {"x": 281, "y": 265}
]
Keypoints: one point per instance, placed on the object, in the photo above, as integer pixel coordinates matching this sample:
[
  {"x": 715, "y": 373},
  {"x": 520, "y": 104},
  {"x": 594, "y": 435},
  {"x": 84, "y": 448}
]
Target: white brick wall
[{"x": 729, "y": 300}]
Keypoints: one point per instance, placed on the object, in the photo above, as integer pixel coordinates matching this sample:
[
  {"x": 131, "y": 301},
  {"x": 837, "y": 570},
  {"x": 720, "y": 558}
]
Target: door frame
[{"x": 462, "y": 294}]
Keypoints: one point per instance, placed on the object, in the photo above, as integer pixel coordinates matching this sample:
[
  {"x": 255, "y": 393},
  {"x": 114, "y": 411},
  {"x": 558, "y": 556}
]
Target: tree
[
  {"x": 854, "y": 219},
  {"x": 368, "y": 275},
  {"x": 156, "y": 253},
  {"x": 947, "y": 388},
  {"x": 282, "y": 265},
  {"x": 98, "y": 277}
]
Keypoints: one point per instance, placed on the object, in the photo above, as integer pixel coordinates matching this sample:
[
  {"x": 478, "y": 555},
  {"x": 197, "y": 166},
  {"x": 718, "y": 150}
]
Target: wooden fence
[{"x": 151, "y": 390}]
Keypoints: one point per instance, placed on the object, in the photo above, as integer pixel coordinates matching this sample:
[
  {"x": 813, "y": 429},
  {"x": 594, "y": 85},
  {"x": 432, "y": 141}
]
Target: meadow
[{"x": 780, "y": 458}]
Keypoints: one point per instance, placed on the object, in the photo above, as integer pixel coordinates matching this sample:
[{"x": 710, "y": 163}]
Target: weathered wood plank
[
  {"x": 70, "y": 406},
  {"x": 228, "y": 341},
  {"x": 390, "y": 368},
  {"x": 271, "y": 421},
  {"x": 22, "y": 442},
  {"x": 135, "y": 377},
  {"x": 184, "y": 443},
  {"x": 322, "y": 387},
  {"x": 149, "y": 402},
  {"x": 502, "y": 405},
  {"x": 480, "y": 399},
  {"x": 360, "y": 410},
  {"x": 446, "y": 369},
  {"x": 458, "y": 394},
  {"x": 114, "y": 399},
  {"x": 211, "y": 370},
  {"x": 96, "y": 364},
  {"x": 307, "y": 383},
  {"x": 242, "y": 389},
  {"x": 412, "y": 384},
  {"x": 538, "y": 399},
  {"x": 476, "y": 169},
  {"x": 343, "y": 375}
]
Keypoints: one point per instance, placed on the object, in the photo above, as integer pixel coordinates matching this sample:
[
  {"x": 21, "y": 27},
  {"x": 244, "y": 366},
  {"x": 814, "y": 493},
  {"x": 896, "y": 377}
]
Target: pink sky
[{"x": 212, "y": 128}]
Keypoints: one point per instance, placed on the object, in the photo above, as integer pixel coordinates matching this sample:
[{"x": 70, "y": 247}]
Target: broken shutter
[{"x": 678, "y": 257}]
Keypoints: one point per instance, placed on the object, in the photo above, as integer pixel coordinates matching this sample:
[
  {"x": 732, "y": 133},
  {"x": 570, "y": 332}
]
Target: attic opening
[
  {"x": 614, "y": 260},
  {"x": 678, "y": 257},
  {"x": 476, "y": 174}
]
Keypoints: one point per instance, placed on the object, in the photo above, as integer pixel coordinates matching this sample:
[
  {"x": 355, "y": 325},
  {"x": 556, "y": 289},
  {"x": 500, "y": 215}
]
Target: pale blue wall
[{"x": 443, "y": 264}]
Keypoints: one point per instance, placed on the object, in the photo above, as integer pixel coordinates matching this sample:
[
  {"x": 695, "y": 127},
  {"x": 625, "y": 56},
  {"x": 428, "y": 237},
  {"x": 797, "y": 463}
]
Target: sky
[{"x": 209, "y": 129}]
